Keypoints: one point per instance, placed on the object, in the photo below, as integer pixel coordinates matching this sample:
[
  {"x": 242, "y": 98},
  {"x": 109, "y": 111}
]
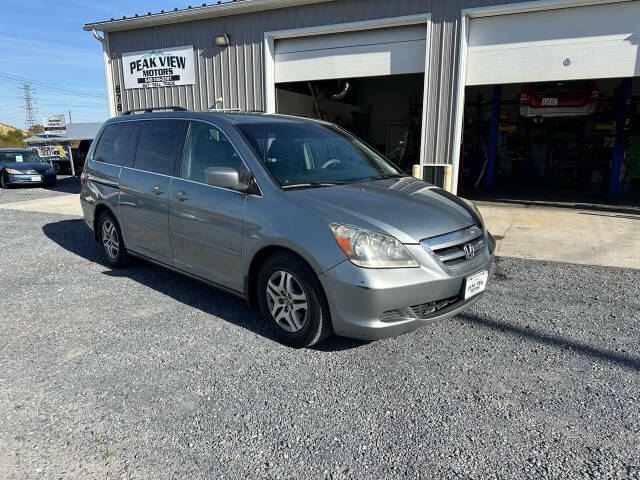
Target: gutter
[
  {"x": 234, "y": 7},
  {"x": 108, "y": 71}
]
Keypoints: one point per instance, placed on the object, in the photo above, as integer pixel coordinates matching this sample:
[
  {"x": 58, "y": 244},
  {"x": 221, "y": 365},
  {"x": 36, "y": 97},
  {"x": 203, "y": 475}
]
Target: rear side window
[
  {"x": 117, "y": 143},
  {"x": 158, "y": 145}
]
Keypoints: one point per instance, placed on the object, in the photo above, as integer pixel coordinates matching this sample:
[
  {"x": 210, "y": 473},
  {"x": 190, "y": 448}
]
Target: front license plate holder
[{"x": 476, "y": 283}]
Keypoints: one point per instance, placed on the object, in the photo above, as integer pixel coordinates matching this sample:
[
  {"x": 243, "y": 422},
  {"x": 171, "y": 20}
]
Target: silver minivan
[{"x": 298, "y": 216}]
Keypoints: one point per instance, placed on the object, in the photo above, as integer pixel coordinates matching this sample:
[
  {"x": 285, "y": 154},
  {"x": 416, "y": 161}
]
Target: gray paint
[
  {"x": 236, "y": 73},
  {"x": 215, "y": 235}
]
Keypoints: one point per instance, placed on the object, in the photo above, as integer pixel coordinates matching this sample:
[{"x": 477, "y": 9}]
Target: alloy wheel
[
  {"x": 287, "y": 301},
  {"x": 110, "y": 239}
]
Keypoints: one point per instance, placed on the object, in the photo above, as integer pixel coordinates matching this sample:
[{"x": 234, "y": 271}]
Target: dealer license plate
[
  {"x": 550, "y": 102},
  {"x": 476, "y": 283},
  {"x": 37, "y": 178}
]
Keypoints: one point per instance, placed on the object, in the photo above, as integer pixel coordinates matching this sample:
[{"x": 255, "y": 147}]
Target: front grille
[
  {"x": 423, "y": 310},
  {"x": 456, "y": 248}
]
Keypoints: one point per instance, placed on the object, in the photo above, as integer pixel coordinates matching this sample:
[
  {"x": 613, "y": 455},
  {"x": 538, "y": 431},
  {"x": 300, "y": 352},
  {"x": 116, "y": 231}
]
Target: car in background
[
  {"x": 559, "y": 99},
  {"x": 23, "y": 167}
]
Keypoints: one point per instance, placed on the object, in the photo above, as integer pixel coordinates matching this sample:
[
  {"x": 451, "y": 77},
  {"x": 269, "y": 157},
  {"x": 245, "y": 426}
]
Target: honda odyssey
[{"x": 313, "y": 227}]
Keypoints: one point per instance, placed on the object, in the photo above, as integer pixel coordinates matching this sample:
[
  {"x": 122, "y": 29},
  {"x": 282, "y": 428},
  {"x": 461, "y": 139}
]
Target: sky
[{"x": 43, "y": 41}]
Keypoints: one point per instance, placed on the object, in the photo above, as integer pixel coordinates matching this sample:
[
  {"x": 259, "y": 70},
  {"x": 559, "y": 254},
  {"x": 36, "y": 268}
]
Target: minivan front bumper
[{"x": 372, "y": 304}]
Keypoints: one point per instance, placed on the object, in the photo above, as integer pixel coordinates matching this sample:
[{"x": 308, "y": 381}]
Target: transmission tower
[{"x": 30, "y": 109}]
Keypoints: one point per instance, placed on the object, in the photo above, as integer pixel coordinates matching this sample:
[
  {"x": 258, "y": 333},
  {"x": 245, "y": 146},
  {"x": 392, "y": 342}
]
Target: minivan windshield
[
  {"x": 19, "y": 157},
  {"x": 308, "y": 155}
]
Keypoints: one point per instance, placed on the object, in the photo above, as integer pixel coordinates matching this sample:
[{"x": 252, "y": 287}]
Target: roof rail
[
  {"x": 233, "y": 110},
  {"x": 153, "y": 109}
]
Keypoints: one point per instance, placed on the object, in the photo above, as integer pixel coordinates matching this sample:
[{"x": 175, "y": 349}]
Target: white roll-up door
[
  {"x": 600, "y": 41},
  {"x": 366, "y": 53}
]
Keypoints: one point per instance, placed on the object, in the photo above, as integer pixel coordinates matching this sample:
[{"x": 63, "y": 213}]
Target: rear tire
[
  {"x": 110, "y": 238},
  {"x": 292, "y": 301}
]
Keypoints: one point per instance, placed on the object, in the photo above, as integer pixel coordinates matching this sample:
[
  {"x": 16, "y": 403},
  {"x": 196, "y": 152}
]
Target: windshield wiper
[
  {"x": 329, "y": 183},
  {"x": 384, "y": 176}
]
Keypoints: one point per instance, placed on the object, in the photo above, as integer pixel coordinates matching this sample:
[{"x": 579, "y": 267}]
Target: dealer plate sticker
[
  {"x": 36, "y": 179},
  {"x": 475, "y": 284}
]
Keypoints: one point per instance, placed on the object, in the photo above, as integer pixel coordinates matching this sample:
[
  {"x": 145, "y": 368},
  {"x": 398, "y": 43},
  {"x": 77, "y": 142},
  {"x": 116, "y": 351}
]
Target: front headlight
[
  {"x": 13, "y": 171},
  {"x": 365, "y": 248}
]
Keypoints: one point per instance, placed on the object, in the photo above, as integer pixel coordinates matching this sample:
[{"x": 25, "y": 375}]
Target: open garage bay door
[
  {"x": 367, "y": 53},
  {"x": 565, "y": 44}
]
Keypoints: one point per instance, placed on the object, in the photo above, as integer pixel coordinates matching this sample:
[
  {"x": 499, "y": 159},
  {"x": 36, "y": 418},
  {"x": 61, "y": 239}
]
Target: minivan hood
[{"x": 407, "y": 208}]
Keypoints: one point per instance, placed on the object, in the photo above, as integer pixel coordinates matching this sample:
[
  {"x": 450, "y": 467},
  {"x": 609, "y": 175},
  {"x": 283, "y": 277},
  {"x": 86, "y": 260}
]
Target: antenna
[{"x": 30, "y": 109}]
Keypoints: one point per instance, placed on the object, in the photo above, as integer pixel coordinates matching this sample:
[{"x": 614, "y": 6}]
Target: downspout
[{"x": 108, "y": 72}]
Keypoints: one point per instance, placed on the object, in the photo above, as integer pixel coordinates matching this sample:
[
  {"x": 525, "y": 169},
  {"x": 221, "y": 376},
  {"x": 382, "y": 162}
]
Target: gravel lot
[
  {"x": 142, "y": 373},
  {"x": 65, "y": 184}
]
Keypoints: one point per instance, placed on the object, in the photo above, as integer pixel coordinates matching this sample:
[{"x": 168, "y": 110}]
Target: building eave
[{"x": 235, "y": 7}]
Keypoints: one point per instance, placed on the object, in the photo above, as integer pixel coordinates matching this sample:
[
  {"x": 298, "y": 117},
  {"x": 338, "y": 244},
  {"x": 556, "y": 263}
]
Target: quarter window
[
  {"x": 117, "y": 143},
  {"x": 206, "y": 147},
  {"x": 158, "y": 145}
]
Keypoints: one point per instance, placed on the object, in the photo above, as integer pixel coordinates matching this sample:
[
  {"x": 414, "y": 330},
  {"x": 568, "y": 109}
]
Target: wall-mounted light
[{"x": 221, "y": 40}]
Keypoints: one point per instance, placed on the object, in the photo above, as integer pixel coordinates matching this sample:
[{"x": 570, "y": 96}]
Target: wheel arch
[
  {"x": 99, "y": 210},
  {"x": 260, "y": 257}
]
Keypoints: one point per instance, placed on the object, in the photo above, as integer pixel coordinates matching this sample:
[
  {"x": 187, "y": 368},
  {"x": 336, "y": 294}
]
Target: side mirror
[{"x": 225, "y": 177}]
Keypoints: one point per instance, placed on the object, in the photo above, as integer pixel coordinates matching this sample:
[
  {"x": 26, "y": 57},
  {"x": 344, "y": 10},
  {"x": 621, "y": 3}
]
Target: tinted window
[
  {"x": 158, "y": 145},
  {"x": 299, "y": 153},
  {"x": 206, "y": 147},
  {"x": 117, "y": 143}
]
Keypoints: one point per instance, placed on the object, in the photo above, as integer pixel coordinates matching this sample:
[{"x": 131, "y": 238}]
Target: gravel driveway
[{"x": 142, "y": 373}]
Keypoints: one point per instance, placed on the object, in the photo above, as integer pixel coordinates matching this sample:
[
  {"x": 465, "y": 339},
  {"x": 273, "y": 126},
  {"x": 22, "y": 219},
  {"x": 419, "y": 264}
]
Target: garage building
[{"x": 479, "y": 93}]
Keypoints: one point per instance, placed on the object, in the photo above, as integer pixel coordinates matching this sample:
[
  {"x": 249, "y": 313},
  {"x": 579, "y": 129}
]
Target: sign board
[
  {"x": 165, "y": 67},
  {"x": 55, "y": 125},
  {"x": 53, "y": 151}
]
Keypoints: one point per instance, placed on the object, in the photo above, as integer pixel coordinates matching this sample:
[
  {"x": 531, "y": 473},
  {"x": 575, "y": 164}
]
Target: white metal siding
[
  {"x": 384, "y": 51},
  {"x": 242, "y": 85},
  {"x": 596, "y": 42}
]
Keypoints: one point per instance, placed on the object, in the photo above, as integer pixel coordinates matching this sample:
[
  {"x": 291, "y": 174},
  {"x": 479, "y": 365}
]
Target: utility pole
[
  {"x": 69, "y": 116},
  {"x": 29, "y": 105}
]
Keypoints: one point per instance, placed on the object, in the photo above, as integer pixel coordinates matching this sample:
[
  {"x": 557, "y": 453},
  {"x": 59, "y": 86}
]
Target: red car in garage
[{"x": 559, "y": 99}]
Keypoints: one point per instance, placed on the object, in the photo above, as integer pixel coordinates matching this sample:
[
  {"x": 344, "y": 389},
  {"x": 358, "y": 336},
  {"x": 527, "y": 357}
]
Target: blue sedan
[{"x": 24, "y": 167}]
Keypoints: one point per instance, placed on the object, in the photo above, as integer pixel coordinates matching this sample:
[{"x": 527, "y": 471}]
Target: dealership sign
[
  {"x": 165, "y": 67},
  {"x": 55, "y": 125},
  {"x": 53, "y": 151}
]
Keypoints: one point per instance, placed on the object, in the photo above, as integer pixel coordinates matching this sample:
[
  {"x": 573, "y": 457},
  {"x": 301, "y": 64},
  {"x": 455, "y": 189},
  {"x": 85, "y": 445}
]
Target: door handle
[
  {"x": 157, "y": 190},
  {"x": 182, "y": 196}
]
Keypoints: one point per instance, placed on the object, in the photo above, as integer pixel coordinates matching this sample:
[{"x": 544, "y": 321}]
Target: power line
[
  {"x": 29, "y": 106},
  {"x": 55, "y": 88}
]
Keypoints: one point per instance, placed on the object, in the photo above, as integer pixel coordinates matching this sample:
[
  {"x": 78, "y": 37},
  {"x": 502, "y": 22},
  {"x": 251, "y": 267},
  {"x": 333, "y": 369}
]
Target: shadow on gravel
[
  {"x": 626, "y": 361},
  {"x": 75, "y": 237},
  {"x": 66, "y": 185}
]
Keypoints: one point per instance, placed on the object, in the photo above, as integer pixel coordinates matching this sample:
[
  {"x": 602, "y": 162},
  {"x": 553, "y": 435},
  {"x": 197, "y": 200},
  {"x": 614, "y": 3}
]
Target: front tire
[
  {"x": 3, "y": 182},
  {"x": 292, "y": 301},
  {"x": 110, "y": 238}
]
